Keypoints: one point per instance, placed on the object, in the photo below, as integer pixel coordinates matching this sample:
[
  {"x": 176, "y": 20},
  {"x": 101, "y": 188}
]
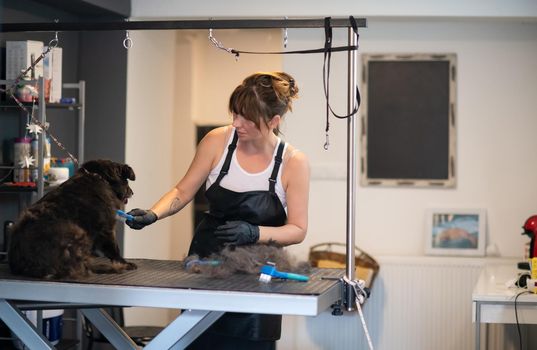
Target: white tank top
[{"x": 239, "y": 180}]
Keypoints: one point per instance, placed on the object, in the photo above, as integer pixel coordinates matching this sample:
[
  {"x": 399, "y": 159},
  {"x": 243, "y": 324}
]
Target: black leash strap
[
  {"x": 321, "y": 50},
  {"x": 326, "y": 75}
]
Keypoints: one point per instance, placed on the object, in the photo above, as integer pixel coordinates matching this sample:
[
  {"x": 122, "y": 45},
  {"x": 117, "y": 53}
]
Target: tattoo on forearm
[{"x": 175, "y": 206}]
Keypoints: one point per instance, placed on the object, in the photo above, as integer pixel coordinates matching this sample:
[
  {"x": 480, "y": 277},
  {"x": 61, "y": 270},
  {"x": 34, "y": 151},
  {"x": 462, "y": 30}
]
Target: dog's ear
[
  {"x": 92, "y": 166},
  {"x": 127, "y": 172}
]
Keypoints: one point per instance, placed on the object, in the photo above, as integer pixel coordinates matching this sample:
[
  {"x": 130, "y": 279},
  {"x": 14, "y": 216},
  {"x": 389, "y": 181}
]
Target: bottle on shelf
[
  {"x": 21, "y": 151},
  {"x": 35, "y": 155}
]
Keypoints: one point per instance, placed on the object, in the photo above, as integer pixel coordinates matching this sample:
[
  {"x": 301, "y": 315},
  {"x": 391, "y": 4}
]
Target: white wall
[
  {"x": 496, "y": 140},
  {"x": 495, "y": 58},
  {"x": 496, "y": 150},
  {"x": 150, "y": 111},
  {"x": 317, "y": 8},
  {"x": 217, "y": 72},
  {"x": 151, "y": 148}
]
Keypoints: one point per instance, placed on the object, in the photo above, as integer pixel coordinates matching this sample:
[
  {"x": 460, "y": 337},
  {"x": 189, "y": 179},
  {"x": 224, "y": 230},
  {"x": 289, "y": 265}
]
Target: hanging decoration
[
  {"x": 34, "y": 129},
  {"x": 27, "y": 162}
]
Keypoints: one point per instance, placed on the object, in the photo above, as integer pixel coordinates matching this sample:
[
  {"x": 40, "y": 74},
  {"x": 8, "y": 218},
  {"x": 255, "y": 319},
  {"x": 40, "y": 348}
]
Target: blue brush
[
  {"x": 122, "y": 215},
  {"x": 269, "y": 271}
]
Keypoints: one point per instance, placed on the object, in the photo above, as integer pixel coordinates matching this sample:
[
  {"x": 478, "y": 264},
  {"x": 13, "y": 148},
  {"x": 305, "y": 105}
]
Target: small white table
[{"x": 494, "y": 302}]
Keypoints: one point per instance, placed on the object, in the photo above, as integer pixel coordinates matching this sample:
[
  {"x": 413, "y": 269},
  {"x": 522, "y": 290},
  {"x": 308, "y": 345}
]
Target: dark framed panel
[{"x": 408, "y": 120}]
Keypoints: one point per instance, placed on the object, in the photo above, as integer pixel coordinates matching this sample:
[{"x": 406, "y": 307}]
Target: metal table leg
[
  {"x": 109, "y": 328},
  {"x": 184, "y": 329},
  {"x": 22, "y": 327},
  {"x": 177, "y": 335},
  {"x": 477, "y": 325},
  {"x": 79, "y": 332}
]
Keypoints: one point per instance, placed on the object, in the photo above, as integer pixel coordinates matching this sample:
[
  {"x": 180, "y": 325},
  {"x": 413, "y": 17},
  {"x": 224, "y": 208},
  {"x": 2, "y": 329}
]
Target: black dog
[{"x": 60, "y": 235}]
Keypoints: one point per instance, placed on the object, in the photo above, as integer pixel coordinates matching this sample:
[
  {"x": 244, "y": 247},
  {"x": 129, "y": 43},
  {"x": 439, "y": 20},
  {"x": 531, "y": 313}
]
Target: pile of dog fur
[{"x": 246, "y": 260}]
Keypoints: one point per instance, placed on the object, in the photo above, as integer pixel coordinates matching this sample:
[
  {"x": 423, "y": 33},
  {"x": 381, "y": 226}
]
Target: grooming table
[{"x": 164, "y": 284}]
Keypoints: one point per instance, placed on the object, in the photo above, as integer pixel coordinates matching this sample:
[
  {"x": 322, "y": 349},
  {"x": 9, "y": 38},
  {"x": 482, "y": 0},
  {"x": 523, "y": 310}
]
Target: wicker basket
[{"x": 324, "y": 255}]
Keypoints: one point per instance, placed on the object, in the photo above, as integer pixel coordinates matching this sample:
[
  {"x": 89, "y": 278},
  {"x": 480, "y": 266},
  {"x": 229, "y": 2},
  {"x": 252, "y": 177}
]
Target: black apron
[{"x": 262, "y": 208}]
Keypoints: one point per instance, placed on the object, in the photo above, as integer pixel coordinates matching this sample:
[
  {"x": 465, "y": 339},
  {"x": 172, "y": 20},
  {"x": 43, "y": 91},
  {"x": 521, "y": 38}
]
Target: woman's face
[{"x": 247, "y": 130}]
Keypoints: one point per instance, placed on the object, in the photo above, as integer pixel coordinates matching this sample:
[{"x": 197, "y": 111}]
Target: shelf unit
[
  {"x": 37, "y": 191},
  {"x": 42, "y": 107}
]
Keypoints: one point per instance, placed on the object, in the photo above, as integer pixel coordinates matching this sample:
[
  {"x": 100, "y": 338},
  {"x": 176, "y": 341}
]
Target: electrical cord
[{"x": 516, "y": 317}]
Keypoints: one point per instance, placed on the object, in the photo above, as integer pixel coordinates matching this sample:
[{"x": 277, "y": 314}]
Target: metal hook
[
  {"x": 54, "y": 42},
  {"x": 285, "y": 36},
  {"x": 127, "y": 42},
  {"x": 211, "y": 38},
  {"x": 327, "y": 143},
  {"x": 220, "y": 46}
]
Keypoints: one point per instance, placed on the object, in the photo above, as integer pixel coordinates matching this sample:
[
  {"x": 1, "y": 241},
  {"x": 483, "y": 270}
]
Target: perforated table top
[
  {"x": 171, "y": 274},
  {"x": 165, "y": 283}
]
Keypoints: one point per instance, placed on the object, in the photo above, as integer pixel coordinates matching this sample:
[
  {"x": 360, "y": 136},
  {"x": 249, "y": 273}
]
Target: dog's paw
[{"x": 130, "y": 266}]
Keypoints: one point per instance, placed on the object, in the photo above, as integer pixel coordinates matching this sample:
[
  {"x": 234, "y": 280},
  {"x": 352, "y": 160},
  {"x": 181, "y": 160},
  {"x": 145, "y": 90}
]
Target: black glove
[
  {"x": 237, "y": 232},
  {"x": 142, "y": 218}
]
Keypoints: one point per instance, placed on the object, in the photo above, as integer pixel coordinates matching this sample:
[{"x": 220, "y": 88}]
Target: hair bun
[{"x": 292, "y": 88}]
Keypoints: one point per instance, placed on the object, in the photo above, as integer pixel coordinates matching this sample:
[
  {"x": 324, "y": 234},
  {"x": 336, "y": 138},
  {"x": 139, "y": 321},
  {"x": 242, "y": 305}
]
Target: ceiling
[{"x": 92, "y": 8}]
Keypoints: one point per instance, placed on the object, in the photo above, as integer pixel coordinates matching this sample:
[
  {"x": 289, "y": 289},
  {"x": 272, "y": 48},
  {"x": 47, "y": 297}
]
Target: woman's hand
[
  {"x": 237, "y": 232},
  {"x": 141, "y": 218}
]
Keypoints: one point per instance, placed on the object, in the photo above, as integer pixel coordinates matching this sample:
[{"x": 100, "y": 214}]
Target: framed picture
[
  {"x": 455, "y": 232},
  {"x": 408, "y": 117}
]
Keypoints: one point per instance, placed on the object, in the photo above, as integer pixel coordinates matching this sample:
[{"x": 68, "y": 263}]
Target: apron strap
[
  {"x": 277, "y": 162},
  {"x": 227, "y": 162}
]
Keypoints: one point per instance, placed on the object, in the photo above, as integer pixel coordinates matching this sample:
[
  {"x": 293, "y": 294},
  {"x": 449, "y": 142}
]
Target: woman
[{"x": 257, "y": 187}]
